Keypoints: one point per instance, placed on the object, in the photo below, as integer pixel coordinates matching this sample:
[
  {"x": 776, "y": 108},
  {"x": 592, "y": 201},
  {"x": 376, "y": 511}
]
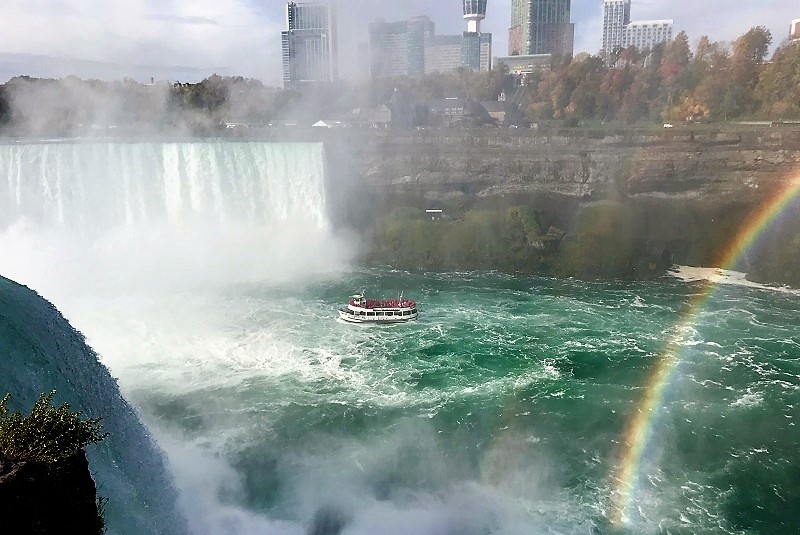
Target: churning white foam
[
  {"x": 722, "y": 276},
  {"x": 84, "y": 217},
  {"x": 111, "y": 230}
]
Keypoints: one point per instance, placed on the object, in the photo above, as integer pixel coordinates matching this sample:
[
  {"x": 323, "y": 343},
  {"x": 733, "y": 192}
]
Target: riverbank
[{"x": 623, "y": 201}]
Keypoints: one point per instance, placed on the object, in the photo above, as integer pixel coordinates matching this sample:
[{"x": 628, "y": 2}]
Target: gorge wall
[{"x": 678, "y": 193}]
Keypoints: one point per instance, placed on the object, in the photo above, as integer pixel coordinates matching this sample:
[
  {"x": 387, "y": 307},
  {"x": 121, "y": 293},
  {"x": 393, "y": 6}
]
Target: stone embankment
[{"x": 681, "y": 193}]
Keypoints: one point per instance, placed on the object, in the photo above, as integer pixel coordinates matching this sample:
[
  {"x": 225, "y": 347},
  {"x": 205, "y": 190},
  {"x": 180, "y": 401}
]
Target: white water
[
  {"x": 134, "y": 217},
  {"x": 95, "y": 227},
  {"x": 92, "y": 187},
  {"x": 723, "y": 276}
]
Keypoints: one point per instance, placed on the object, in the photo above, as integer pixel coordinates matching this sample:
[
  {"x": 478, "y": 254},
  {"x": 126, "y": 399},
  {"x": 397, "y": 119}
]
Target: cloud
[
  {"x": 183, "y": 20},
  {"x": 205, "y": 34},
  {"x": 243, "y": 36}
]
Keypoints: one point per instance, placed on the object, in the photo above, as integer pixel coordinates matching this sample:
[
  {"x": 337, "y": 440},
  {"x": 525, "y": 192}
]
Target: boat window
[
  {"x": 413, "y": 310},
  {"x": 390, "y": 313},
  {"x": 370, "y": 314}
]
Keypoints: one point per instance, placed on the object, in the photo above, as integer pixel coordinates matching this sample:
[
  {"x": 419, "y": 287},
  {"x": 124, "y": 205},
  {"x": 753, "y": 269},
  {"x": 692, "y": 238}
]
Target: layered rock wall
[{"x": 683, "y": 192}]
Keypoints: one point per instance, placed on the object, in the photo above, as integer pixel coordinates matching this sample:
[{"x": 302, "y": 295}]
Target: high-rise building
[
  {"x": 794, "y": 30},
  {"x": 442, "y": 53},
  {"x": 309, "y": 47},
  {"x": 398, "y": 48},
  {"x": 541, "y": 27},
  {"x": 409, "y": 48},
  {"x": 620, "y": 32},
  {"x": 470, "y": 50},
  {"x": 476, "y": 51},
  {"x": 476, "y": 47},
  {"x": 645, "y": 34},
  {"x": 616, "y": 15}
]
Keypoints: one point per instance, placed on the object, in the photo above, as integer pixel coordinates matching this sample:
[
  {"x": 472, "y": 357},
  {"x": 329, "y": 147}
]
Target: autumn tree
[{"x": 778, "y": 88}]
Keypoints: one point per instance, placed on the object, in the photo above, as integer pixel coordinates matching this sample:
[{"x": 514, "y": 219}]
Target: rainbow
[{"x": 640, "y": 428}]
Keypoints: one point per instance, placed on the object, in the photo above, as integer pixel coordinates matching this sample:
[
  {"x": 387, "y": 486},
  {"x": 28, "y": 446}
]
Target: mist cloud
[{"x": 206, "y": 34}]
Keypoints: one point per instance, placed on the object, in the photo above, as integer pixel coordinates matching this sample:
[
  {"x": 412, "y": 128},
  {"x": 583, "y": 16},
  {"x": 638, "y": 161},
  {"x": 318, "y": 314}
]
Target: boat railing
[
  {"x": 382, "y": 313},
  {"x": 383, "y": 303}
]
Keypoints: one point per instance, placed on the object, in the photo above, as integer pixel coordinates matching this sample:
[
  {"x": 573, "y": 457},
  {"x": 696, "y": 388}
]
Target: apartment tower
[
  {"x": 619, "y": 31},
  {"x": 310, "y": 53},
  {"x": 398, "y": 48},
  {"x": 541, "y": 27}
]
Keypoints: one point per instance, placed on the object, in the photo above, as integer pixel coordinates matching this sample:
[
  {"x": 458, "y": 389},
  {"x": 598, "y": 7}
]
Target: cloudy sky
[{"x": 243, "y": 36}]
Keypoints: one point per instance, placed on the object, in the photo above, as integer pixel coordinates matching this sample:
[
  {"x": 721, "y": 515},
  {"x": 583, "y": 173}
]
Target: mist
[{"x": 154, "y": 217}]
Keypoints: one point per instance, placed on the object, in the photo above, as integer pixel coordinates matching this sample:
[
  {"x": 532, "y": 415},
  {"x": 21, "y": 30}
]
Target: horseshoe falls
[
  {"x": 207, "y": 277},
  {"x": 162, "y": 215}
]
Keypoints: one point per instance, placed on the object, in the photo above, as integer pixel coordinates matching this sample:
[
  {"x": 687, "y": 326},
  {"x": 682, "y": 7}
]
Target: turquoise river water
[{"x": 500, "y": 411}]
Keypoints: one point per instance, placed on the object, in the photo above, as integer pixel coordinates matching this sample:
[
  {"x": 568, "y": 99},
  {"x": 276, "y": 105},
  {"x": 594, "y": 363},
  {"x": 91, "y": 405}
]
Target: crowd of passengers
[{"x": 385, "y": 303}]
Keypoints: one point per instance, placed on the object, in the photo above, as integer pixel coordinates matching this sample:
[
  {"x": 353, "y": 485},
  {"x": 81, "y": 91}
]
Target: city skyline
[
  {"x": 189, "y": 40},
  {"x": 412, "y": 47}
]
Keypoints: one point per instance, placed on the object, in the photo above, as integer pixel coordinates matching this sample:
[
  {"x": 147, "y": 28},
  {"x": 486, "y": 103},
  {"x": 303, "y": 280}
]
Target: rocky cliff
[
  {"x": 680, "y": 193},
  {"x": 39, "y": 497},
  {"x": 40, "y": 350}
]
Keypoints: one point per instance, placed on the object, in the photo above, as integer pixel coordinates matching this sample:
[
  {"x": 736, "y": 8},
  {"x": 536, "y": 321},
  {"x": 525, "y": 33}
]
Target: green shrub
[
  {"x": 47, "y": 434},
  {"x": 478, "y": 239}
]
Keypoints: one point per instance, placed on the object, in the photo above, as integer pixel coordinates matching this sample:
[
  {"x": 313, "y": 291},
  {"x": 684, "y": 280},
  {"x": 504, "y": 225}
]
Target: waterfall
[
  {"x": 100, "y": 222},
  {"x": 135, "y": 216},
  {"x": 91, "y": 187}
]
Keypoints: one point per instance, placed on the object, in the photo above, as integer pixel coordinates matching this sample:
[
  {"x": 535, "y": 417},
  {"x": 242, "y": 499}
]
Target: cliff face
[
  {"x": 37, "y": 497},
  {"x": 40, "y": 349},
  {"x": 447, "y": 166},
  {"x": 671, "y": 193}
]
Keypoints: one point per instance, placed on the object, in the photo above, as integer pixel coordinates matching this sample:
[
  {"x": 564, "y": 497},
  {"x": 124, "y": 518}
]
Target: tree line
[{"x": 714, "y": 82}]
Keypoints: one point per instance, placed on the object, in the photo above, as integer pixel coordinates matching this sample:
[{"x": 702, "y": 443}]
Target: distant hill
[{"x": 39, "y": 66}]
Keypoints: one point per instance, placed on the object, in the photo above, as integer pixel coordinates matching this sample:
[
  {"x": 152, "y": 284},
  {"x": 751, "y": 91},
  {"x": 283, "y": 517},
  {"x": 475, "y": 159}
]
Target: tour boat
[{"x": 379, "y": 311}]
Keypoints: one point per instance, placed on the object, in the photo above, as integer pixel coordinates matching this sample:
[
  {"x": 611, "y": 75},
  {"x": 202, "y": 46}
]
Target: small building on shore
[
  {"x": 457, "y": 111},
  {"x": 526, "y": 65}
]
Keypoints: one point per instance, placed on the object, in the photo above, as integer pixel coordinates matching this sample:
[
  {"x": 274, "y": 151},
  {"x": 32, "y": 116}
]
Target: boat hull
[{"x": 350, "y": 317}]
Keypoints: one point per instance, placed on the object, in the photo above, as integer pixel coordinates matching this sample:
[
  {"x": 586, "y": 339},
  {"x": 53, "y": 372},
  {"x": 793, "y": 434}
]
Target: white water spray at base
[{"x": 133, "y": 217}]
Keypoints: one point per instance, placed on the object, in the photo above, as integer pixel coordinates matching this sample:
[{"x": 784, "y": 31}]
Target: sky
[{"x": 195, "y": 38}]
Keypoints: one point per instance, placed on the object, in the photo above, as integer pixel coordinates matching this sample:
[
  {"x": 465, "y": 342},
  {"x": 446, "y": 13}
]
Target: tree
[
  {"x": 753, "y": 46},
  {"x": 674, "y": 62},
  {"x": 678, "y": 51},
  {"x": 778, "y": 88},
  {"x": 749, "y": 52},
  {"x": 583, "y": 101},
  {"x": 689, "y": 109},
  {"x": 5, "y": 108},
  {"x": 703, "y": 49},
  {"x": 47, "y": 434}
]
